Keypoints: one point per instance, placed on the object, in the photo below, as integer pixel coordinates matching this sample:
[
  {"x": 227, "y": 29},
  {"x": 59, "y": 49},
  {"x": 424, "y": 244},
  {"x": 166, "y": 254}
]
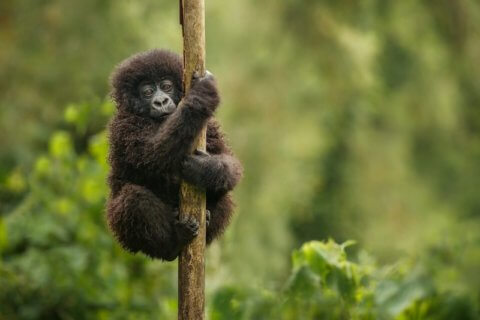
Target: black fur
[{"x": 149, "y": 157}]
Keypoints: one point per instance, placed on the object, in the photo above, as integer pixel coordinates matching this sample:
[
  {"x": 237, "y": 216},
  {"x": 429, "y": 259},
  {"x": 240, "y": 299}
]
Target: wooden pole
[{"x": 191, "y": 264}]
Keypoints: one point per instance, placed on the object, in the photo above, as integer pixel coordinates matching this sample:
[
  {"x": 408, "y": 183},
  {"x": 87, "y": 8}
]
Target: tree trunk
[{"x": 191, "y": 264}]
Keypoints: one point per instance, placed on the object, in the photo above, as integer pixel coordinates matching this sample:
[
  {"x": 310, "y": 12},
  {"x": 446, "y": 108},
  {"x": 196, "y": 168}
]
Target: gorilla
[{"x": 151, "y": 139}]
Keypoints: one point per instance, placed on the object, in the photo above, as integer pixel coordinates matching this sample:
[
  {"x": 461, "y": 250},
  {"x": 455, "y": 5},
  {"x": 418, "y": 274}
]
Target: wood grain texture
[{"x": 191, "y": 265}]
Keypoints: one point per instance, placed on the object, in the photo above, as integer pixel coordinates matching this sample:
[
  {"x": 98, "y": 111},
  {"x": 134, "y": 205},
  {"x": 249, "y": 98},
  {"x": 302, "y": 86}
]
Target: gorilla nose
[{"x": 160, "y": 102}]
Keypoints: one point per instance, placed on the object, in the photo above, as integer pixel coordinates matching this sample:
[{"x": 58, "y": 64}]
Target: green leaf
[
  {"x": 303, "y": 282},
  {"x": 61, "y": 145}
]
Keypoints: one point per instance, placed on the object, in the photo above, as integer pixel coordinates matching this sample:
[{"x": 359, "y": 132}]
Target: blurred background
[{"x": 355, "y": 120}]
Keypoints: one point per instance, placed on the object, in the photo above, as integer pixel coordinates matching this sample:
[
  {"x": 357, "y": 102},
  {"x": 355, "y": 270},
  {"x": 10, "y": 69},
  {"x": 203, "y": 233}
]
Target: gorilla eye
[
  {"x": 166, "y": 85},
  {"x": 147, "y": 90}
]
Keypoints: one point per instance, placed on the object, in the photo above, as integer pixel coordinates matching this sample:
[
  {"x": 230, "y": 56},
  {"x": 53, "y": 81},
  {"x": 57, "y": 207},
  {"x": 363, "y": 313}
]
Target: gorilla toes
[
  {"x": 186, "y": 229},
  {"x": 208, "y": 215}
]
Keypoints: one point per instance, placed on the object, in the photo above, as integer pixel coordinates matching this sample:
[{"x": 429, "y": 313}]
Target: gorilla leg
[
  {"x": 142, "y": 222},
  {"x": 220, "y": 213}
]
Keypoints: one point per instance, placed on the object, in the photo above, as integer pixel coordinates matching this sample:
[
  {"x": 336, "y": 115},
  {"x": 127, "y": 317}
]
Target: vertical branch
[{"x": 191, "y": 265}]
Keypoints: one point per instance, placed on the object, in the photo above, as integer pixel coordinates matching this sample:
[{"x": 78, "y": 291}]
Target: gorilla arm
[
  {"x": 217, "y": 174},
  {"x": 217, "y": 171}
]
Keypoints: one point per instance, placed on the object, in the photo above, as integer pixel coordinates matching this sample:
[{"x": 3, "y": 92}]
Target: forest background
[{"x": 355, "y": 120}]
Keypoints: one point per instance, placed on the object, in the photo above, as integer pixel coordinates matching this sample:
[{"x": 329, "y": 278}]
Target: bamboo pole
[{"x": 191, "y": 265}]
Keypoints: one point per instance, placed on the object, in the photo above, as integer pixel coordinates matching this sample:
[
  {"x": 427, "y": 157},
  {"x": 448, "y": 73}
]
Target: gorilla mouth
[
  {"x": 169, "y": 108},
  {"x": 159, "y": 109},
  {"x": 162, "y": 112}
]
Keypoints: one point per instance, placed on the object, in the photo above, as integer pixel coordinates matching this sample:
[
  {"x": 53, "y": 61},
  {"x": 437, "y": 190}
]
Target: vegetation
[{"x": 353, "y": 121}]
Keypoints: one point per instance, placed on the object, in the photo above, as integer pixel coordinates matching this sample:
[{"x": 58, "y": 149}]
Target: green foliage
[
  {"x": 58, "y": 260},
  {"x": 324, "y": 284}
]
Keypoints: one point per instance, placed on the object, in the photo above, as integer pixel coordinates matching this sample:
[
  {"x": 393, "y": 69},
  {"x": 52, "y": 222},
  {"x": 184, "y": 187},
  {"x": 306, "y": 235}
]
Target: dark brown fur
[{"x": 149, "y": 158}]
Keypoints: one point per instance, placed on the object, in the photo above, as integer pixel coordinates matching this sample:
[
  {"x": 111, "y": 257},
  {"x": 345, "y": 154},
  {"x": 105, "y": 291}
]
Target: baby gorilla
[{"x": 151, "y": 139}]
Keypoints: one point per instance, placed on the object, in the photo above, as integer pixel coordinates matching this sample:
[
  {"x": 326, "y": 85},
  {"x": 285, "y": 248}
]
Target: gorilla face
[
  {"x": 149, "y": 84},
  {"x": 158, "y": 99}
]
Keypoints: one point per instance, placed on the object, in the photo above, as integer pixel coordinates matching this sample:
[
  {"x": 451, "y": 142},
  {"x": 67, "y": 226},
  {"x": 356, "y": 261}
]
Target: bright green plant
[{"x": 324, "y": 284}]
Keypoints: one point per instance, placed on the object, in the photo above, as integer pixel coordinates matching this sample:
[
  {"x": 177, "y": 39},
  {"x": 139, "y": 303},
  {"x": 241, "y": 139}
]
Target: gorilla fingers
[{"x": 203, "y": 94}]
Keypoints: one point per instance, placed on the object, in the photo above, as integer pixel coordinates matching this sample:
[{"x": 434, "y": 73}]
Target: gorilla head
[{"x": 149, "y": 83}]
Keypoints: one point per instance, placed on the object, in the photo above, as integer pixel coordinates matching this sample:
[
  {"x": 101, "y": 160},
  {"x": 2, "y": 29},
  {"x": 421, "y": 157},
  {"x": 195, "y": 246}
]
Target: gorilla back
[{"x": 151, "y": 137}]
